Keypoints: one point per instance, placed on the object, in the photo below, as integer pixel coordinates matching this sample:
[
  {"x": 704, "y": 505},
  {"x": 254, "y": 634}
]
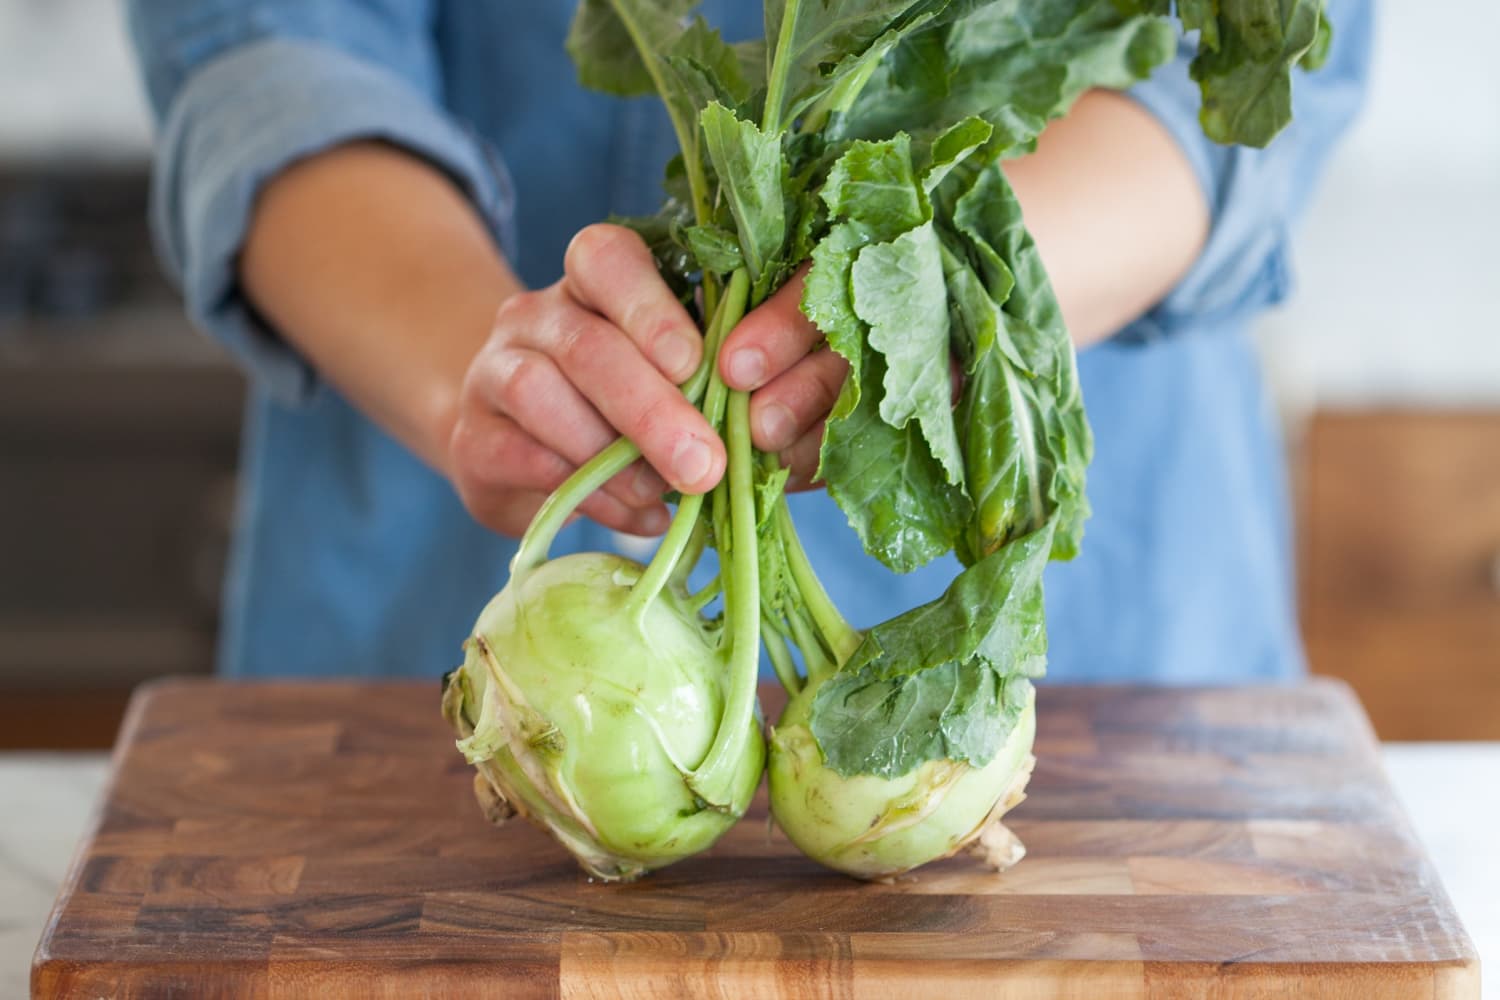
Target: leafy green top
[{"x": 866, "y": 137}]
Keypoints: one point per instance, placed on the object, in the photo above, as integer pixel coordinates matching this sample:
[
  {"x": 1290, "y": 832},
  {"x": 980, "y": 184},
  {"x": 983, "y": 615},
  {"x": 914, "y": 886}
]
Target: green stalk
[
  {"x": 815, "y": 655},
  {"x": 577, "y": 488},
  {"x": 713, "y": 336},
  {"x": 714, "y": 779},
  {"x": 781, "y": 657},
  {"x": 685, "y": 565},
  {"x": 776, "y": 73},
  {"x": 719, "y": 514},
  {"x": 840, "y": 637},
  {"x": 840, "y": 98},
  {"x": 699, "y": 599},
  {"x": 685, "y": 521},
  {"x": 644, "y": 591}
]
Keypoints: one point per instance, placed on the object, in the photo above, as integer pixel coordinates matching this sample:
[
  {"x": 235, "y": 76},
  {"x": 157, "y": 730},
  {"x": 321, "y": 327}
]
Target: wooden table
[{"x": 321, "y": 840}]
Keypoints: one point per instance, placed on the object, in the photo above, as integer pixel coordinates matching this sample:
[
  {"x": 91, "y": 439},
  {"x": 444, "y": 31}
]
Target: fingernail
[
  {"x": 676, "y": 357},
  {"x": 776, "y": 426},
  {"x": 656, "y": 521},
  {"x": 690, "y": 461},
  {"x": 746, "y": 368}
]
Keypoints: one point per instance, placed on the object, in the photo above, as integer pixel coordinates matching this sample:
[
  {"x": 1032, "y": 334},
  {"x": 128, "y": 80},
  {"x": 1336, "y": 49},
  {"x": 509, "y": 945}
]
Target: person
[{"x": 389, "y": 210}]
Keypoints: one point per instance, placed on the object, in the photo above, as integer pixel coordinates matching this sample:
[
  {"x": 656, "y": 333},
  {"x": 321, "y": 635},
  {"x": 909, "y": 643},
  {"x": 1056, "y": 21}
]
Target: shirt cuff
[
  {"x": 248, "y": 115},
  {"x": 1243, "y": 266}
]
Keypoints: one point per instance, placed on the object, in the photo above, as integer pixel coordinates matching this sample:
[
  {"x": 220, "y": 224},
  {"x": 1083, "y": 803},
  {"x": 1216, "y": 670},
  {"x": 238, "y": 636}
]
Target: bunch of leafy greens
[{"x": 866, "y": 137}]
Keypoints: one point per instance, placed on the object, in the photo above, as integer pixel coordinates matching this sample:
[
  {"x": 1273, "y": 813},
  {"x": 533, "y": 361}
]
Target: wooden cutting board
[{"x": 321, "y": 840}]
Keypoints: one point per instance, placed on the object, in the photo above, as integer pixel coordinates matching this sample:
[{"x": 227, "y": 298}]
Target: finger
[
  {"x": 611, "y": 272},
  {"x": 796, "y": 400},
  {"x": 769, "y": 340},
  {"x": 497, "y": 461},
  {"x": 634, "y": 398},
  {"x": 527, "y": 387},
  {"x": 802, "y": 460}
]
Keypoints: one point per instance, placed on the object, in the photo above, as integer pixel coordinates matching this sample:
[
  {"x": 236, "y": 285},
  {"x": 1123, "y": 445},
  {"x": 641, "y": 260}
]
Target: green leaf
[
  {"x": 952, "y": 146},
  {"x": 813, "y": 43},
  {"x": 717, "y": 61},
  {"x": 1026, "y": 441},
  {"x": 991, "y": 611},
  {"x": 606, "y": 38},
  {"x": 894, "y": 493},
  {"x": 974, "y": 315},
  {"x": 1017, "y": 65},
  {"x": 776, "y": 587},
  {"x": 875, "y": 186},
  {"x": 939, "y": 682},
  {"x": 828, "y": 301},
  {"x": 1201, "y": 16},
  {"x": 1317, "y": 53},
  {"x": 872, "y": 194},
  {"x": 888, "y": 728},
  {"x": 714, "y": 248},
  {"x": 750, "y": 167},
  {"x": 1246, "y": 79},
  {"x": 900, "y": 294}
]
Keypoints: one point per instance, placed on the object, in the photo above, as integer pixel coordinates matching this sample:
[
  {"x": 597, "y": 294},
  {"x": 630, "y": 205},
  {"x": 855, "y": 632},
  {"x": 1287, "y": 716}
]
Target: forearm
[
  {"x": 374, "y": 266},
  {"x": 1115, "y": 210}
]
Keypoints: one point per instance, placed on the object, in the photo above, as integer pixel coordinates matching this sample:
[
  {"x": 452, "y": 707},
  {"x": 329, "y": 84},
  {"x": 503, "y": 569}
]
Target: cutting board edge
[{"x": 768, "y": 976}]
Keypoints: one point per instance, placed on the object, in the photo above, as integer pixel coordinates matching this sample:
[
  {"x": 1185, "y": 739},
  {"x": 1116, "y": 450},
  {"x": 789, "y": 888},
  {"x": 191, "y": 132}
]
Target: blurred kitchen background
[{"x": 118, "y": 424}]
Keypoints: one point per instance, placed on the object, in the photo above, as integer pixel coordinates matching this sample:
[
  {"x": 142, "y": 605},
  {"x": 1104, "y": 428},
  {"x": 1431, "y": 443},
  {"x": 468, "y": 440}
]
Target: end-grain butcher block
[{"x": 322, "y": 840}]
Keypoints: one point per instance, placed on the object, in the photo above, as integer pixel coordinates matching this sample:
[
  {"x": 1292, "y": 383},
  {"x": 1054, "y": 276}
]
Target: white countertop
[{"x": 45, "y": 801}]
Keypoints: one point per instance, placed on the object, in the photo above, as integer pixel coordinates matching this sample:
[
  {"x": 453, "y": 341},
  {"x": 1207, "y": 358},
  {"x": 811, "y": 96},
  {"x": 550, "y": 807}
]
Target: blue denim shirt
[{"x": 354, "y": 558}]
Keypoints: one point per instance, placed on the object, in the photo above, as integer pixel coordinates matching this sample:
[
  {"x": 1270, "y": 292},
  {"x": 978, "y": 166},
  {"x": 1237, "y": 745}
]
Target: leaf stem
[
  {"x": 819, "y": 665},
  {"x": 685, "y": 521},
  {"x": 780, "y": 67},
  {"x": 781, "y": 657},
  {"x": 694, "y": 552},
  {"x": 841, "y": 637},
  {"x": 577, "y": 488},
  {"x": 699, "y": 599},
  {"x": 739, "y": 569},
  {"x": 644, "y": 591},
  {"x": 714, "y": 778}
]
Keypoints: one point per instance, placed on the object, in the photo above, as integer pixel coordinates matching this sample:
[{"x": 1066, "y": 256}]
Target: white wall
[{"x": 68, "y": 88}]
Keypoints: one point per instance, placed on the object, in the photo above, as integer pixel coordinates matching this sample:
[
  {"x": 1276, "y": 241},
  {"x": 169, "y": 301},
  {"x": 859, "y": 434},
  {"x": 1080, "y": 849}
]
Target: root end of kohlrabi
[
  {"x": 495, "y": 807},
  {"x": 994, "y": 843}
]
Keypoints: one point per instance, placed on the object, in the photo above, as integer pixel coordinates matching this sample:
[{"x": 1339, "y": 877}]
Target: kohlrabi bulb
[
  {"x": 585, "y": 712},
  {"x": 875, "y": 828}
]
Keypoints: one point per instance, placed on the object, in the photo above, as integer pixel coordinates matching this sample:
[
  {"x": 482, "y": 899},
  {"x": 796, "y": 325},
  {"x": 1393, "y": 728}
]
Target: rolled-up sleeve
[
  {"x": 242, "y": 90},
  {"x": 1255, "y": 196}
]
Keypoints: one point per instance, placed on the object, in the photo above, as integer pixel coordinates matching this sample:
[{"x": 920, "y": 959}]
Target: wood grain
[
  {"x": 1399, "y": 562},
  {"x": 301, "y": 840}
]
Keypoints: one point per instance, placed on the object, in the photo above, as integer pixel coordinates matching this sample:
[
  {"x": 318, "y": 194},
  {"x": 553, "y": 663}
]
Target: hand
[
  {"x": 569, "y": 368},
  {"x": 779, "y": 354}
]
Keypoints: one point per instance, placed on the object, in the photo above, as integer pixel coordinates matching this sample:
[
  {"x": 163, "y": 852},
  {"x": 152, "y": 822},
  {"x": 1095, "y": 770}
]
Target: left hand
[{"x": 778, "y": 355}]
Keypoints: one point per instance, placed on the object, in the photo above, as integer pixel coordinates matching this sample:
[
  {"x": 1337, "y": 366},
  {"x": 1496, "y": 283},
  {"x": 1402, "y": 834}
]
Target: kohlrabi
[{"x": 864, "y": 139}]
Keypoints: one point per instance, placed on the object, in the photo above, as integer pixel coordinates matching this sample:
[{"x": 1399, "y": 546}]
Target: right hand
[{"x": 569, "y": 368}]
